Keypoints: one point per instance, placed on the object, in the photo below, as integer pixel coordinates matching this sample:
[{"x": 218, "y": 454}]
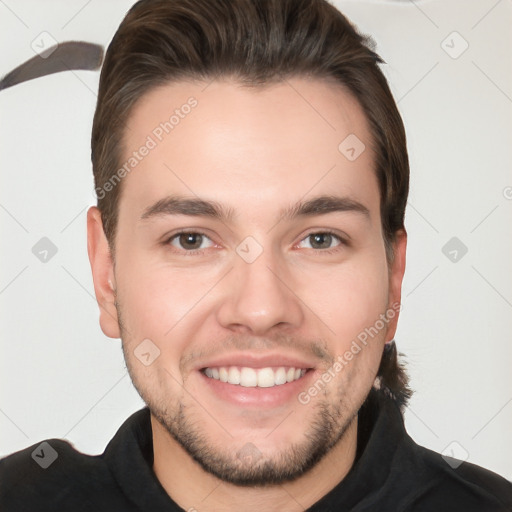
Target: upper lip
[{"x": 254, "y": 360}]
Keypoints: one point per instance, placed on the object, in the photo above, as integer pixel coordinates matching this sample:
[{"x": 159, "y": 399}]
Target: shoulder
[
  {"x": 53, "y": 472},
  {"x": 450, "y": 484}
]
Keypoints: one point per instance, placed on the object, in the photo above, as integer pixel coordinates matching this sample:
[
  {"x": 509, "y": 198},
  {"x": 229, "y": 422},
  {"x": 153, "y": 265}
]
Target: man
[{"x": 249, "y": 247}]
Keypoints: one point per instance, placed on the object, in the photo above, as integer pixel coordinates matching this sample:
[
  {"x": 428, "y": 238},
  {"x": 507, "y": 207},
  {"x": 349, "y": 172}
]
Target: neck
[{"x": 194, "y": 489}]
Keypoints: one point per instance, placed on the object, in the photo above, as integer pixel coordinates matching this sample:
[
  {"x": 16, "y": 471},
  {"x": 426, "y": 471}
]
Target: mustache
[{"x": 310, "y": 348}]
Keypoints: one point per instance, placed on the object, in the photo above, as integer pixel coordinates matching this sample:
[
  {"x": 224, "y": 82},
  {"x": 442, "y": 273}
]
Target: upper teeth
[{"x": 251, "y": 377}]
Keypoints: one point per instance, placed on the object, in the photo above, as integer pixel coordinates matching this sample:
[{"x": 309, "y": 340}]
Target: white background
[{"x": 61, "y": 377}]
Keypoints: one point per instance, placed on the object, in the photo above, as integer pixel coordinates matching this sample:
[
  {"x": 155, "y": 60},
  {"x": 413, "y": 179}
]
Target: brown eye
[{"x": 190, "y": 241}]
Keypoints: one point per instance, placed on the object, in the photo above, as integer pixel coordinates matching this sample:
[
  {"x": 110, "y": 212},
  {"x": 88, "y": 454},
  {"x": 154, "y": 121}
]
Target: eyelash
[{"x": 193, "y": 252}]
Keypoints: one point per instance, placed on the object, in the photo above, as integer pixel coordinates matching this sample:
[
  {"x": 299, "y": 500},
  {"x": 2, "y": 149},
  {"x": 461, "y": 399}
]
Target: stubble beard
[{"x": 247, "y": 466}]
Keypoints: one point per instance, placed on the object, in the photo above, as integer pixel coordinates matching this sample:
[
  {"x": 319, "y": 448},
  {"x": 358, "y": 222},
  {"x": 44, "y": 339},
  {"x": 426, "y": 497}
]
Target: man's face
[{"x": 266, "y": 295}]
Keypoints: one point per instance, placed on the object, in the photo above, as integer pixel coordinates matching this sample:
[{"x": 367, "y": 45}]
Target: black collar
[{"x": 381, "y": 433}]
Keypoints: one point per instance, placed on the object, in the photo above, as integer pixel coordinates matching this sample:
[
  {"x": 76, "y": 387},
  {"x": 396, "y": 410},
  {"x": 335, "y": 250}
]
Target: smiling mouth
[{"x": 255, "y": 377}]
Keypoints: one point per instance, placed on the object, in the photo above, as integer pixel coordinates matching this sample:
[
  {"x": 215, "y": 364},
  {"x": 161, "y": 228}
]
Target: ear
[
  {"x": 102, "y": 273},
  {"x": 396, "y": 275}
]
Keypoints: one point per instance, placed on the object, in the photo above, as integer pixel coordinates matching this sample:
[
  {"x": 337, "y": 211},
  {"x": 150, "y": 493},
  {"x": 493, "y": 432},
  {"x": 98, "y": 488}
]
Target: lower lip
[{"x": 255, "y": 396}]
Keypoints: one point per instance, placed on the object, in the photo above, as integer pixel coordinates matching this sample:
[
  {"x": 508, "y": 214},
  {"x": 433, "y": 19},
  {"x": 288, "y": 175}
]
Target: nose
[{"x": 260, "y": 296}]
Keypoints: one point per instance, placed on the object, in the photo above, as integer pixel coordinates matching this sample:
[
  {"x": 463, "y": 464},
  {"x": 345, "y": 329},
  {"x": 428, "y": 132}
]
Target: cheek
[
  {"x": 350, "y": 301},
  {"x": 159, "y": 302},
  {"x": 349, "y": 298}
]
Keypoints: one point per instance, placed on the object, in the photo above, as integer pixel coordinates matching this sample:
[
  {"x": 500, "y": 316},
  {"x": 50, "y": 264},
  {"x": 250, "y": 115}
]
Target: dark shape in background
[{"x": 71, "y": 55}]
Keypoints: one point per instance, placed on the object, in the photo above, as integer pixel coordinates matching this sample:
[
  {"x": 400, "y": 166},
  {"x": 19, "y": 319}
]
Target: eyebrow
[{"x": 196, "y": 207}]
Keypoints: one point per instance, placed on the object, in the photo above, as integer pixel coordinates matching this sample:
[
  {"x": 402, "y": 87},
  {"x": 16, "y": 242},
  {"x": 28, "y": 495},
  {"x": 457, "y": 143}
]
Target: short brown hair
[{"x": 255, "y": 42}]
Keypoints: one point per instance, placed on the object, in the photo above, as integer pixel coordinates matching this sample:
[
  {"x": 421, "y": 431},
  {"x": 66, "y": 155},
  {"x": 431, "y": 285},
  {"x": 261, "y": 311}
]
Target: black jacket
[{"x": 391, "y": 473}]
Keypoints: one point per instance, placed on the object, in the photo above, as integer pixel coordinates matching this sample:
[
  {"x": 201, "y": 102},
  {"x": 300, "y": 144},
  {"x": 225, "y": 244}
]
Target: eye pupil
[
  {"x": 321, "y": 240},
  {"x": 191, "y": 240}
]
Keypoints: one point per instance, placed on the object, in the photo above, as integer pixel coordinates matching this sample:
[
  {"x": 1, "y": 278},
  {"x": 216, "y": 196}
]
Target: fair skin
[{"x": 299, "y": 304}]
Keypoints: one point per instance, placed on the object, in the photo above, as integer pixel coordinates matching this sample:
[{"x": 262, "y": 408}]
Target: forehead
[{"x": 248, "y": 148}]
